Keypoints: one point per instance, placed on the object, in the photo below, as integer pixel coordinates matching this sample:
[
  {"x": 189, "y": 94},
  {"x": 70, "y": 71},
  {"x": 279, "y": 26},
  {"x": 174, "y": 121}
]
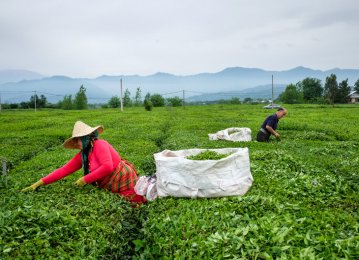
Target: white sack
[
  {"x": 146, "y": 186},
  {"x": 142, "y": 185},
  {"x": 181, "y": 177},
  {"x": 235, "y": 134},
  {"x": 152, "y": 190}
]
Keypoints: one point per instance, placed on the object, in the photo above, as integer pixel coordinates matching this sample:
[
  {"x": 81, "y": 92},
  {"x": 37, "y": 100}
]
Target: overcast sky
[{"x": 88, "y": 38}]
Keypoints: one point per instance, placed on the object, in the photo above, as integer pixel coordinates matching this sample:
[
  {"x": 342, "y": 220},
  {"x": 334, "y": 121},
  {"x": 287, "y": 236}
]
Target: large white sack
[
  {"x": 235, "y": 134},
  {"x": 181, "y": 177}
]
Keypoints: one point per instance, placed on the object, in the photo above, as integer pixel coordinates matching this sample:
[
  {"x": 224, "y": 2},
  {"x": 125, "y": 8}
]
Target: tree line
[
  {"x": 80, "y": 101},
  {"x": 150, "y": 101},
  {"x": 311, "y": 90}
]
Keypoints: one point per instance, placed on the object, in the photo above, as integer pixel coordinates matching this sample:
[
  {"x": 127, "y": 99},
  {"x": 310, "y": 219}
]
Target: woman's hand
[
  {"x": 34, "y": 186},
  {"x": 80, "y": 182}
]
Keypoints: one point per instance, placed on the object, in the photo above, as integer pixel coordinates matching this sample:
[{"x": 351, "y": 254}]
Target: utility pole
[
  {"x": 272, "y": 92},
  {"x": 35, "y": 100},
  {"x": 121, "y": 98},
  {"x": 0, "y": 102},
  {"x": 183, "y": 101}
]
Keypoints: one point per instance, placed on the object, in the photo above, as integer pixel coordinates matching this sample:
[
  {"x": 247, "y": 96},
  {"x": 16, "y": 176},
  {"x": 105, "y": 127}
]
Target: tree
[
  {"x": 331, "y": 88},
  {"x": 138, "y": 97},
  {"x": 114, "y": 102},
  {"x": 312, "y": 89},
  {"x": 343, "y": 92},
  {"x": 148, "y": 96},
  {"x": 66, "y": 103},
  {"x": 247, "y": 100},
  {"x": 235, "y": 101},
  {"x": 80, "y": 101},
  {"x": 291, "y": 95},
  {"x": 356, "y": 86},
  {"x": 13, "y": 105},
  {"x": 24, "y": 105},
  {"x": 147, "y": 102},
  {"x": 34, "y": 100},
  {"x": 157, "y": 100},
  {"x": 42, "y": 101},
  {"x": 127, "y": 102},
  {"x": 174, "y": 101}
]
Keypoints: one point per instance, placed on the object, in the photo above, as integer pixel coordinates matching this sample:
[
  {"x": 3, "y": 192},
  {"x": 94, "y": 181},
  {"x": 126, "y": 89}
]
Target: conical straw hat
[{"x": 81, "y": 129}]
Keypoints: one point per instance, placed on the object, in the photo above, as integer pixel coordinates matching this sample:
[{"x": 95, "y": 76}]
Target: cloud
[{"x": 89, "y": 38}]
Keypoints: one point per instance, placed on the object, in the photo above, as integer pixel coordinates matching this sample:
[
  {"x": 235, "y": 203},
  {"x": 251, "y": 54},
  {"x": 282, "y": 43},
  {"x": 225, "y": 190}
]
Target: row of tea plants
[{"x": 303, "y": 202}]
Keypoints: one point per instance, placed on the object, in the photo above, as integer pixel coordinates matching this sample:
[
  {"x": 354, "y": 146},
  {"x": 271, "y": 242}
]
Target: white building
[{"x": 353, "y": 97}]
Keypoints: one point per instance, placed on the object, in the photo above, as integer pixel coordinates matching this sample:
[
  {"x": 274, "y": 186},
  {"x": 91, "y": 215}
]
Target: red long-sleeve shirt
[{"x": 103, "y": 160}]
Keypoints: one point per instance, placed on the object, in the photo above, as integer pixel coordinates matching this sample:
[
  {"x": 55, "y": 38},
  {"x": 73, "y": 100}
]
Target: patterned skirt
[{"x": 122, "y": 181}]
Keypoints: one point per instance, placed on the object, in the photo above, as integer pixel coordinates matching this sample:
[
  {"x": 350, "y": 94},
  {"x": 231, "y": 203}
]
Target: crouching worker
[
  {"x": 101, "y": 163},
  {"x": 269, "y": 126}
]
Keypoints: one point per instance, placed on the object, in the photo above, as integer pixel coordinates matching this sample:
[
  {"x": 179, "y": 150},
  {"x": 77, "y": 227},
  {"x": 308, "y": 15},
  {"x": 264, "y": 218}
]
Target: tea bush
[{"x": 303, "y": 202}]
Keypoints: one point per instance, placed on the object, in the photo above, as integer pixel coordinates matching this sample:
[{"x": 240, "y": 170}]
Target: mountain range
[{"x": 19, "y": 85}]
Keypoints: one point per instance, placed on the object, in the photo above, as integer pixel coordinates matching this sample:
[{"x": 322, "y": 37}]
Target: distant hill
[
  {"x": 236, "y": 80},
  {"x": 263, "y": 92},
  {"x": 53, "y": 88},
  {"x": 18, "y": 75}
]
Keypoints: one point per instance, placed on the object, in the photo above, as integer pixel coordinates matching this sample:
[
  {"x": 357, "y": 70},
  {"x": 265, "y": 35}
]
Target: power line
[
  {"x": 15, "y": 91},
  {"x": 58, "y": 95},
  {"x": 108, "y": 98},
  {"x": 163, "y": 94},
  {"x": 196, "y": 92},
  {"x": 171, "y": 93},
  {"x": 14, "y": 98},
  {"x": 98, "y": 98}
]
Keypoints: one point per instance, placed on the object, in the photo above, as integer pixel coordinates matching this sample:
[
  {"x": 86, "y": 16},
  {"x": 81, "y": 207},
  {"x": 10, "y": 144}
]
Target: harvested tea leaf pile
[{"x": 207, "y": 155}]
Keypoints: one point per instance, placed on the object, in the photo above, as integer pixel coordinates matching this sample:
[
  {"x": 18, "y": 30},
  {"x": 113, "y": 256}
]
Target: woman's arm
[
  {"x": 101, "y": 161},
  {"x": 73, "y": 165}
]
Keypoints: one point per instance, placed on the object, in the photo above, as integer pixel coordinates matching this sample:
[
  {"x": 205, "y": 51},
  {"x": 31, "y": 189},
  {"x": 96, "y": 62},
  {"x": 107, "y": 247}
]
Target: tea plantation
[{"x": 303, "y": 203}]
